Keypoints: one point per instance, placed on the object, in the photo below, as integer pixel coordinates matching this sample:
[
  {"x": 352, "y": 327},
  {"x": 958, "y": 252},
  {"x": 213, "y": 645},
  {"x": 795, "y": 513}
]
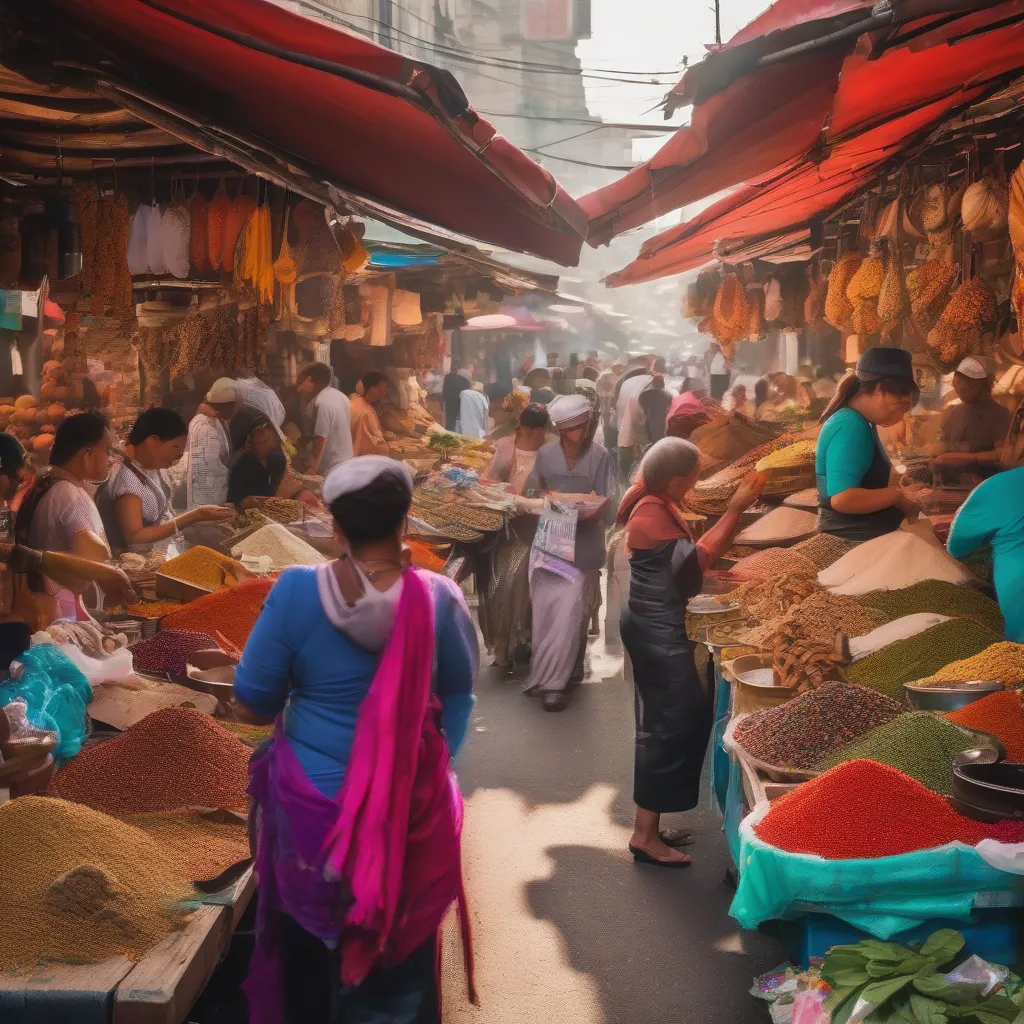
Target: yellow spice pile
[
  {"x": 80, "y": 886},
  {"x": 794, "y": 456},
  {"x": 1002, "y": 661},
  {"x": 202, "y": 567},
  {"x": 200, "y": 848}
]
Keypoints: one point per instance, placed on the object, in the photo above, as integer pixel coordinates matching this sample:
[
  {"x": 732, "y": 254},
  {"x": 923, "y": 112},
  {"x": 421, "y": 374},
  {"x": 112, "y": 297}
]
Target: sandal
[
  {"x": 643, "y": 857},
  {"x": 676, "y": 837}
]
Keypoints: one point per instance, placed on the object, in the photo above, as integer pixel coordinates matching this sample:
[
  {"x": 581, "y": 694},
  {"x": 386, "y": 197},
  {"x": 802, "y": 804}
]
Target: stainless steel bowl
[{"x": 952, "y": 697}]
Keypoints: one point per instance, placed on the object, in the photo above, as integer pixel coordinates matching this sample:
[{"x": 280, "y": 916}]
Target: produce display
[
  {"x": 823, "y": 549},
  {"x": 793, "y": 456},
  {"x": 283, "y": 548},
  {"x": 1003, "y": 662},
  {"x": 802, "y": 732},
  {"x": 822, "y": 616},
  {"x": 169, "y": 650},
  {"x": 123, "y": 704},
  {"x": 779, "y": 526},
  {"x": 282, "y": 510},
  {"x": 202, "y": 846},
  {"x": 768, "y": 598},
  {"x": 799, "y": 661},
  {"x": 1001, "y": 714},
  {"x": 775, "y": 562},
  {"x": 888, "y": 633},
  {"x": 227, "y": 614},
  {"x": 939, "y": 597},
  {"x": 919, "y": 743},
  {"x": 173, "y": 759},
  {"x": 203, "y": 567}
]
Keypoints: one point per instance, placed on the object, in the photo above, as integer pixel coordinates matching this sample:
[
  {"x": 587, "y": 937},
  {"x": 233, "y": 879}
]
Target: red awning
[
  {"x": 356, "y": 115},
  {"x": 785, "y": 200}
]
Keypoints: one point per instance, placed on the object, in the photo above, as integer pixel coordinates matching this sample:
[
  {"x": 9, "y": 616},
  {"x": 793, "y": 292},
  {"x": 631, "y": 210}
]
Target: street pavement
[{"x": 566, "y": 928}]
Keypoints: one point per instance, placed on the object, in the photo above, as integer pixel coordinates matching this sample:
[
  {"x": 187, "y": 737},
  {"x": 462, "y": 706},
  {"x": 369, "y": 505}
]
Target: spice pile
[
  {"x": 793, "y": 456},
  {"x": 282, "y": 547},
  {"x": 1003, "y": 662},
  {"x": 778, "y": 526},
  {"x": 203, "y": 567},
  {"x": 919, "y": 744},
  {"x": 1000, "y": 714},
  {"x": 770, "y": 598},
  {"x": 80, "y": 886},
  {"x": 172, "y": 759},
  {"x": 776, "y": 562},
  {"x": 863, "y": 809},
  {"x": 122, "y": 705},
  {"x": 920, "y": 655},
  {"x": 891, "y": 562},
  {"x": 199, "y": 846},
  {"x": 247, "y": 520},
  {"x": 152, "y": 609},
  {"x": 229, "y": 613},
  {"x": 939, "y": 597},
  {"x": 169, "y": 650},
  {"x": 821, "y": 616},
  {"x": 803, "y": 731},
  {"x": 823, "y": 549}
]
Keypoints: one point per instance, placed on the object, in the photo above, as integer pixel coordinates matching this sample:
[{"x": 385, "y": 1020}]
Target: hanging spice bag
[
  {"x": 176, "y": 233},
  {"x": 862, "y": 294},
  {"x": 216, "y": 223},
  {"x": 199, "y": 209},
  {"x": 730, "y": 319},
  {"x": 87, "y": 199},
  {"x": 838, "y": 308},
  {"x": 241, "y": 209},
  {"x": 958, "y": 331}
]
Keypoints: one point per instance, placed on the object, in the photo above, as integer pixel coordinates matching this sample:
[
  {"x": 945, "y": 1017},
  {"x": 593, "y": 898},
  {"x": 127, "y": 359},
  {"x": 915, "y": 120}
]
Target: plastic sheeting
[{"x": 884, "y": 896}]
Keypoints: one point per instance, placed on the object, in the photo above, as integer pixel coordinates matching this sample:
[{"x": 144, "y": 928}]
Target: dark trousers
[
  {"x": 719, "y": 385},
  {"x": 403, "y": 994},
  {"x": 627, "y": 456}
]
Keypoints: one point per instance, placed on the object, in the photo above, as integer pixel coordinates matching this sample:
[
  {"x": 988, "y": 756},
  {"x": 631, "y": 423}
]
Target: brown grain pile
[
  {"x": 173, "y": 759},
  {"x": 771, "y": 598},
  {"x": 775, "y": 562},
  {"x": 823, "y": 549},
  {"x": 80, "y": 886},
  {"x": 819, "y": 617},
  {"x": 200, "y": 847}
]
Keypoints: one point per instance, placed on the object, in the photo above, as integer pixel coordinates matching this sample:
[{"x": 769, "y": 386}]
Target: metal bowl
[
  {"x": 952, "y": 697},
  {"x": 990, "y": 792}
]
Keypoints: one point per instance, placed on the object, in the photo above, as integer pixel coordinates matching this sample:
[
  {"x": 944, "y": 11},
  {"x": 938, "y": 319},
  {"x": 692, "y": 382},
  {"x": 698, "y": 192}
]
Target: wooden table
[{"x": 160, "y": 989}]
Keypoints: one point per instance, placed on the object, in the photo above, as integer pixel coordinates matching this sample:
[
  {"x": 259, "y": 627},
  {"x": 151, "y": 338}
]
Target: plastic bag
[
  {"x": 21, "y": 727},
  {"x": 975, "y": 971},
  {"x": 116, "y": 666},
  {"x": 809, "y": 1007}
]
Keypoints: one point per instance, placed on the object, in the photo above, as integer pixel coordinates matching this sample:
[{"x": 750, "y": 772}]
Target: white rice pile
[{"x": 278, "y": 544}]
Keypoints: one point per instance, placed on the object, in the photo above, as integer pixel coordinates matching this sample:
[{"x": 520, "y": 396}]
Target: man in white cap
[
  {"x": 209, "y": 446},
  {"x": 974, "y": 429},
  {"x": 563, "y": 591}
]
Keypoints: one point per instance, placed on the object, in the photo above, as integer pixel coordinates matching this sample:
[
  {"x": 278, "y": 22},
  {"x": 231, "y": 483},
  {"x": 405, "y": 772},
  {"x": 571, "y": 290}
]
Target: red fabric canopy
[
  {"x": 372, "y": 123},
  {"x": 783, "y": 200}
]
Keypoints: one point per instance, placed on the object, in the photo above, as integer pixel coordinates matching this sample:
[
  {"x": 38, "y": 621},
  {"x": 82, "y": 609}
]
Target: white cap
[
  {"x": 973, "y": 368},
  {"x": 569, "y": 411},
  {"x": 355, "y": 474},
  {"x": 223, "y": 390}
]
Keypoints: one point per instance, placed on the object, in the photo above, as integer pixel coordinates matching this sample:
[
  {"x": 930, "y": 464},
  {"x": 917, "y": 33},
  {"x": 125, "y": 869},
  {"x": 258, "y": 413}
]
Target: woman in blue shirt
[
  {"x": 321, "y": 645},
  {"x": 855, "y": 496}
]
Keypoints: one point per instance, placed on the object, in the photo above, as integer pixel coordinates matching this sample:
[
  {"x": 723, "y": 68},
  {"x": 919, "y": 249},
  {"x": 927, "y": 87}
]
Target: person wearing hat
[
  {"x": 974, "y": 429},
  {"x": 209, "y": 446},
  {"x": 856, "y": 496},
  {"x": 565, "y": 592}
]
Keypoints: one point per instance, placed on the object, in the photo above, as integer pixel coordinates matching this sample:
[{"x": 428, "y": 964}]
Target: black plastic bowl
[{"x": 990, "y": 792}]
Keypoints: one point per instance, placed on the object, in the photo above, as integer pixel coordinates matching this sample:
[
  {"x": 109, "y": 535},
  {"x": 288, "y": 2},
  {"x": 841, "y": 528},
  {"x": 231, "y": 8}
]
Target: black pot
[{"x": 990, "y": 792}]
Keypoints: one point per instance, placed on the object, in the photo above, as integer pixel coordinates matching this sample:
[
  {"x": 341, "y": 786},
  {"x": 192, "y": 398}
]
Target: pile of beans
[
  {"x": 1003, "y": 661},
  {"x": 80, "y": 886},
  {"x": 229, "y": 613},
  {"x": 805, "y": 730},
  {"x": 202, "y": 567},
  {"x": 863, "y": 809},
  {"x": 776, "y": 562},
  {"x": 920, "y": 655},
  {"x": 823, "y": 549},
  {"x": 1001, "y": 714},
  {"x": 169, "y": 651},
  {"x": 200, "y": 848},
  {"x": 919, "y": 744},
  {"x": 172, "y": 759},
  {"x": 938, "y": 596}
]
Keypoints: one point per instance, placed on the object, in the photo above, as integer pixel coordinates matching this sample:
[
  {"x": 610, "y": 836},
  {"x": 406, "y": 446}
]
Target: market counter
[{"x": 160, "y": 989}]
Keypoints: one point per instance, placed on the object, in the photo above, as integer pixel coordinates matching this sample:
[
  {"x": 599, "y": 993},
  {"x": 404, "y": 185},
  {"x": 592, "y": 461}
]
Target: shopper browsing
[{"x": 331, "y": 419}]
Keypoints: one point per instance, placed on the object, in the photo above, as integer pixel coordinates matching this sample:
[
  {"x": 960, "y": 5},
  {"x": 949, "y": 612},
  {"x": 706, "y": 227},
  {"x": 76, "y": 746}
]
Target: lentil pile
[
  {"x": 939, "y": 597},
  {"x": 169, "y": 651},
  {"x": 152, "y": 609},
  {"x": 230, "y": 612},
  {"x": 279, "y": 545},
  {"x": 920, "y": 655},
  {"x": 173, "y": 759},
  {"x": 776, "y": 562},
  {"x": 202, "y": 567},
  {"x": 1003, "y": 661},
  {"x": 863, "y": 809},
  {"x": 823, "y": 549},
  {"x": 80, "y": 886},
  {"x": 919, "y": 744},
  {"x": 803, "y": 731},
  {"x": 1000, "y": 714},
  {"x": 199, "y": 847}
]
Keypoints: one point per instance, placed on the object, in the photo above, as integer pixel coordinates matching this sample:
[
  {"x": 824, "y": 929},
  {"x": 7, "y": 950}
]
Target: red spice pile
[
  {"x": 172, "y": 759},
  {"x": 864, "y": 809},
  {"x": 230, "y": 612},
  {"x": 1001, "y": 714}
]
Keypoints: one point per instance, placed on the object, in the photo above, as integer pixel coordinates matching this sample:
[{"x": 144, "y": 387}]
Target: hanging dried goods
[
  {"x": 1002, "y": 661},
  {"x": 176, "y": 231},
  {"x": 80, "y": 886},
  {"x": 802, "y": 732},
  {"x": 838, "y": 308},
  {"x": 893, "y": 299},
  {"x": 919, "y": 744},
  {"x": 928, "y": 286},
  {"x": 216, "y": 221},
  {"x": 959, "y": 328},
  {"x": 1000, "y": 714},
  {"x": 1016, "y": 213},
  {"x": 986, "y": 203},
  {"x": 199, "y": 245},
  {"x": 862, "y": 294},
  {"x": 173, "y": 759},
  {"x": 255, "y": 266},
  {"x": 814, "y": 304},
  {"x": 730, "y": 319},
  {"x": 920, "y": 655},
  {"x": 241, "y": 209},
  {"x": 112, "y": 284},
  {"x": 87, "y": 201}
]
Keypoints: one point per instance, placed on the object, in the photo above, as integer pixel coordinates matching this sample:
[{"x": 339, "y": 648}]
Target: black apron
[
  {"x": 870, "y": 524},
  {"x": 673, "y": 710}
]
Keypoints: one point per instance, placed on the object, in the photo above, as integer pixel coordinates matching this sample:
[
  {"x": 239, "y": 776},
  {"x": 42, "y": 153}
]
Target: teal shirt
[
  {"x": 994, "y": 514},
  {"x": 846, "y": 449}
]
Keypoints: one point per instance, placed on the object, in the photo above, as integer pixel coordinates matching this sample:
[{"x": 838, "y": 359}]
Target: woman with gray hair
[{"x": 673, "y": 711}]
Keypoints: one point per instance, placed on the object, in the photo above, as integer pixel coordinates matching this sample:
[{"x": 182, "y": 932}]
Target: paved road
[{"x": 567, "y": 928}]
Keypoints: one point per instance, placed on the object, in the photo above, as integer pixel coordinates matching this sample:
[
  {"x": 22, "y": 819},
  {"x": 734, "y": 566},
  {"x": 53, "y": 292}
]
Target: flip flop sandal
[
  {"x": 643, "y": 857},
  {"x": 675, "y": 837}
]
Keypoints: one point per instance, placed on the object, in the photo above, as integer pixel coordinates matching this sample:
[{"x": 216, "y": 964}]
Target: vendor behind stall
[
  {"x": 855, "y": 495},
  {"x": 209, "y": 446},
  {"x": 973, "y": 430},
  {"x": 58, "y": 512},
  {"x": 367, "y": 435},
  {"x": 135, "y": 504},
  {"x": 261, "y": 470}
]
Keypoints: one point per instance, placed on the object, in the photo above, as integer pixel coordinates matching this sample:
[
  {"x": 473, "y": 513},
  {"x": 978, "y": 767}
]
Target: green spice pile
[
  {"x": 940, "y": 597},
  {"x": 802, "y": 732},
  {"x": 823, "y": 549},
  {"x": 920, "y": 655},
  {"x": 919, "y": 744}
]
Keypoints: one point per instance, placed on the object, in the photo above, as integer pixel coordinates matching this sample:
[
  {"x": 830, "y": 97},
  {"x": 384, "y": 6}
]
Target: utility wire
[
  {"x": 655, "y": 129},
  {"x": 580, "y": 163}
]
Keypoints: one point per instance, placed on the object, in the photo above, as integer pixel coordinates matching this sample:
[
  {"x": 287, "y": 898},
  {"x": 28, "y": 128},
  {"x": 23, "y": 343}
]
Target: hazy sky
[{"x": 651, "y": 36}]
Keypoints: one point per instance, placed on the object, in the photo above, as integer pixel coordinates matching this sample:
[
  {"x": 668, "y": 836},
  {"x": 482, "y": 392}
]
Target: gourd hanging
[
  {"x": 215, "y": 225},
  {"x": 241, "y": 209}
]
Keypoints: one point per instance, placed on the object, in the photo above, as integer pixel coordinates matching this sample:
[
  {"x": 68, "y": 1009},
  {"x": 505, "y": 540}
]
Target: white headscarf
[
  {"x": 569, "y": 411},
  {"x": 355, "y": 474}
]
